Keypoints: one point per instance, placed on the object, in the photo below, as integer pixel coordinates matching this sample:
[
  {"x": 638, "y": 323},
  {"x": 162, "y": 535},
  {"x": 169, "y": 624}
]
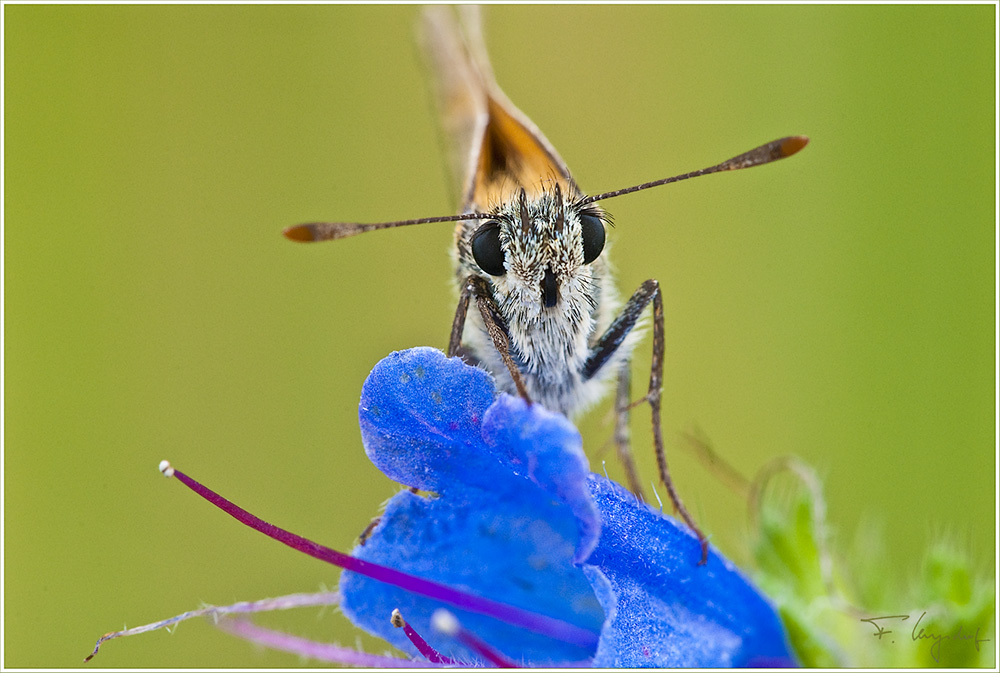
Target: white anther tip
[{"x": 166, "y": 469}]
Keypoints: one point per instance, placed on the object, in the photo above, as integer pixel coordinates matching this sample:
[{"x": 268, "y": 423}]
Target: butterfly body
[
  {"x": 529, "y": 250},
  {"x": 547, "y": 271}
]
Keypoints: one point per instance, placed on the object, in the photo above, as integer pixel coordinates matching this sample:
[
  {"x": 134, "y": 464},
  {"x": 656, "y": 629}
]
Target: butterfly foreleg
[
  {"x": 478, "y": 288},
  {"x": 605, "y": 348},
  {"x": 623, "y": 433}
]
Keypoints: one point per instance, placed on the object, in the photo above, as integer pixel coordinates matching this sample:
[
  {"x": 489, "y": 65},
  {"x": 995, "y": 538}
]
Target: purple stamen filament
[
  {"x": 448, "y": 624},
  {"x": 422, "y": 645},
  {"x": 493, "y": 656},
  {"x": 476, "y": 644},
  {"x": 531, "y": 621}
]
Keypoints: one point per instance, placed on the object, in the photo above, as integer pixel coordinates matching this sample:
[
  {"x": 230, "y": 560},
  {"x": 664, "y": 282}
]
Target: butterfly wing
[{"x": 493, "y": 148}]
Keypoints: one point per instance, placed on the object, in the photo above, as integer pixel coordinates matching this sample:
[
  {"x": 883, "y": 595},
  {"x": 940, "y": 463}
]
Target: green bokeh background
[{"x": 839, "y": 306}]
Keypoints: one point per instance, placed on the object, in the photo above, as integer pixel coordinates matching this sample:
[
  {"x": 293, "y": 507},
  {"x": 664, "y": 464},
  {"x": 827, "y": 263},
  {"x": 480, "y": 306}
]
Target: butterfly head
[{"x": 539, "y": 251}]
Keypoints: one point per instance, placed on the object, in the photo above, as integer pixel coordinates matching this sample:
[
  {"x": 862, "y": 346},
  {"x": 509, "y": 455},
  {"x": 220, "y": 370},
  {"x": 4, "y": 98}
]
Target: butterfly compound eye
[
  {"x": 592, "y": 229},
  {"x": 486, "y": 249}
]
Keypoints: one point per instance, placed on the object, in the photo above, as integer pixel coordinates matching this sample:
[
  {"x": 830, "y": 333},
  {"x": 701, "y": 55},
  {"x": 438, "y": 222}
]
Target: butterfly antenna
[
  {"x": 765, "y": 154},
  {"x": 330, "y": 231}
]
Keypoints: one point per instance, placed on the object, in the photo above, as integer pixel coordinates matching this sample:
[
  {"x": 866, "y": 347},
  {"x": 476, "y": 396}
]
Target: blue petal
[
  {"x": 513, "y": 512},
  {"x": 420, "y": 419},
  {"x": 544, "y": 447},
  {"x": 664, "y": 609},
  {"x": 430, "y": 422},
  {"x": 503, "y": 553},
  {"x": 517, "y": 512}
]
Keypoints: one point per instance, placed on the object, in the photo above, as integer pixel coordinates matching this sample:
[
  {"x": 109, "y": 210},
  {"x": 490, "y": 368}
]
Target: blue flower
[
  {"x": 592, "y": 576},
  {"x": 540, "y": 562}
]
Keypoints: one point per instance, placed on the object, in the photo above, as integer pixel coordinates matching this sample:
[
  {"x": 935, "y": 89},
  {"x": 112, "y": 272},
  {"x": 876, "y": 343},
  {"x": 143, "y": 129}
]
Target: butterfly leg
[
  {"x": 373, "y": 524},
  {"x": 623, "y": 434},
  {"x": 477, "y": 287},
  {"x": 369, "y": 529},
  {"x": 610, "y": 341}
]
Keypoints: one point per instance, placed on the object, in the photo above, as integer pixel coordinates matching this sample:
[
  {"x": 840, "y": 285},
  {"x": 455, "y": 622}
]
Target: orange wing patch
[{"x": 512, "y": 157}]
